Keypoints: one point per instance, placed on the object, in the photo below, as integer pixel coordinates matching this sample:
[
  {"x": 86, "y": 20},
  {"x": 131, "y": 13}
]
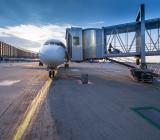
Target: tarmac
[
  {"x": 19, "y": 85},
  {"x": 104, "y": 109}
]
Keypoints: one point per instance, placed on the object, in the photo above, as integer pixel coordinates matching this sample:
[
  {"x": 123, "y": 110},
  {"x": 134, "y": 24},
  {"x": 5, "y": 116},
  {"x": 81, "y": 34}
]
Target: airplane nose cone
[{"x": 52, "y": 55}]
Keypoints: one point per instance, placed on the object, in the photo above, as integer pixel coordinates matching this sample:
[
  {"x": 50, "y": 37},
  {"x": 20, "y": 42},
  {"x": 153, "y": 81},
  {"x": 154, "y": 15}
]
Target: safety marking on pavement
[
  {"x": 31, "y": 110},
  {"x": 8, "y": 82},
  {"x": 150, "y": 114},
  {"x": 80, "y": 82},
  {"x": 157, "y": 86}
]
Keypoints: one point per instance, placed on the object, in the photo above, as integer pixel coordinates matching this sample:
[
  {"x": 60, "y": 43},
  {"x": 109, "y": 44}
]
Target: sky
[{"x": 28, "y": 23}]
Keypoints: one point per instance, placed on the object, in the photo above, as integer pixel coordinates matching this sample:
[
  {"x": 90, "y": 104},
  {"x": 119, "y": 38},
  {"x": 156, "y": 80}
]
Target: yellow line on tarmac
[{"x": 33, "y": 107}]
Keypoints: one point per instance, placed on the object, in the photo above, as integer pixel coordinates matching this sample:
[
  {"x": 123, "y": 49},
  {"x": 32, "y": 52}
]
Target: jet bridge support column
[{"x": 140, "y": 35}]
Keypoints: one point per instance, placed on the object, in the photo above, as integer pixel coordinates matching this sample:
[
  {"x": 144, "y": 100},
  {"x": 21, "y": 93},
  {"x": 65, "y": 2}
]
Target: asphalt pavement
[
  {"x": 19, "y": 84},
  {"x": 102, "y": 109}
]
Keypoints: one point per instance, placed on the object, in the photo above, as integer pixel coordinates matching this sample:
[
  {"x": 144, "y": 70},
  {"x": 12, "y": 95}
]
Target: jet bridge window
[{"x": 76, "y": 40}]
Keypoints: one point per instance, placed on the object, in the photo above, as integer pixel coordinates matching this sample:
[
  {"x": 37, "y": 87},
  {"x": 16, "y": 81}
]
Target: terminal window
[{"x": 75, "y": 40}]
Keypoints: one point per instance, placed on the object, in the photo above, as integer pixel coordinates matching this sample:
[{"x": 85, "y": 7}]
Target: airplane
[{"x": 53, "y": 53}]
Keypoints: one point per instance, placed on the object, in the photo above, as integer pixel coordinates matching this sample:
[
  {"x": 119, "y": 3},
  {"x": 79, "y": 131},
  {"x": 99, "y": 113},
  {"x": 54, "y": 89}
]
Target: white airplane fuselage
[{"x": 52, "y": 53}]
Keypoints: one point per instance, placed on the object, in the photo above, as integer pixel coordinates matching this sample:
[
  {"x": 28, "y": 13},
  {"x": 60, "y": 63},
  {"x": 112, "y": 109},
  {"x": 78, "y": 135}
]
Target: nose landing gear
[
  {"x": 51, "y": 73},
  {"x": 66, "y": 65}
]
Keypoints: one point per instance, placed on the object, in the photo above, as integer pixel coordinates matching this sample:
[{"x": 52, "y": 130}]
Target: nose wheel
[
  {"x": 66, "y": 65},
  {"x": 51, "y": 74}
]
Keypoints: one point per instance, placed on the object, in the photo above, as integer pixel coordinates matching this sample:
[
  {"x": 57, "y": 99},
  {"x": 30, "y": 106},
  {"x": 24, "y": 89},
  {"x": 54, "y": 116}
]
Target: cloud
[
  {"x": 21, "y": 43},
  {"x": 31, "y": 36}
]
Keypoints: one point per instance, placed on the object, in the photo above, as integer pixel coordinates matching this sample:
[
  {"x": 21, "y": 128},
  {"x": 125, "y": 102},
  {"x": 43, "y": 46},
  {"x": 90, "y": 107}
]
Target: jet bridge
[{"x": 136, "y": 39}]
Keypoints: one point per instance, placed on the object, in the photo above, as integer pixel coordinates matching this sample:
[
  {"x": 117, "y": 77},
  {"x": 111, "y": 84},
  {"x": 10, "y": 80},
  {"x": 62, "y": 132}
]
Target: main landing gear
[
  {"x": 51, "y": 73},
  {"x": 40, "y": 63}
]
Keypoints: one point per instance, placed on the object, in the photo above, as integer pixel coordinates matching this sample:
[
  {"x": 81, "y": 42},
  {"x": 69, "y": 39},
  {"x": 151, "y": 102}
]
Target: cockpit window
[
  {"x": 46, "y": 43},
  {"x": 60, "y": 44},
  {"x": 52, "y": 43},
  {"x": 55, "y": 43}
]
